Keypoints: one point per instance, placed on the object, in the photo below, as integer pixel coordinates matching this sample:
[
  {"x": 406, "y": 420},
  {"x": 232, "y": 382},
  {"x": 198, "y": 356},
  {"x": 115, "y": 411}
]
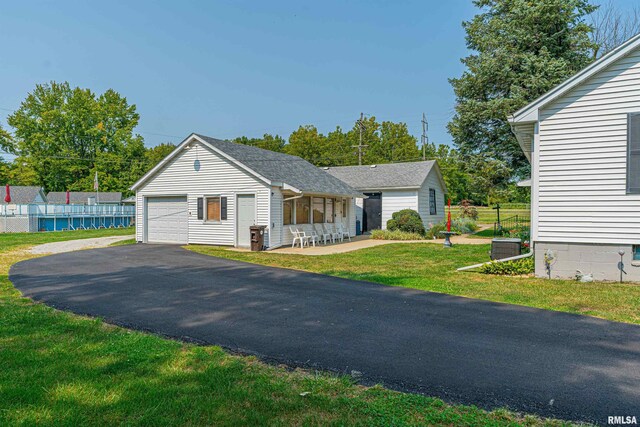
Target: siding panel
[{"x": 583, "y": 158}]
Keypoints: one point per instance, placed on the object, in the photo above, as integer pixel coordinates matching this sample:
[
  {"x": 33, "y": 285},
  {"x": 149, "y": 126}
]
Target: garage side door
[{"x": 167, "y": 220}]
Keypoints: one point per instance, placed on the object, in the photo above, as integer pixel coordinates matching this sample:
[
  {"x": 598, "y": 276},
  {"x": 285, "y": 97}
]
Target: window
[
  {"x": 287, "y": 212},
  {"x": 344, "y": 208},
  {"x": 303, "y": 210},
  {"x": 329, "y": 210},
  {"x": 633, "y": 153},
  {"x": 213, "y": 209},
  {"x": 318, "y": 210},
  {"x": 433, "y": 210},
  {"x": 636, "y": 252}
]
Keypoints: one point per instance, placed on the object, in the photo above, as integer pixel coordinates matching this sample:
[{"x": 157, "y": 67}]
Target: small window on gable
[
  {"x": 633, "y": 153},
  {"x": 433, "y": 210}
]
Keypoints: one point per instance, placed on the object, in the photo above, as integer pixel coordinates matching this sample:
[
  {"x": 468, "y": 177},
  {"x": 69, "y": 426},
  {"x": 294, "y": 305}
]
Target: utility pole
[
  {"x": 360, "y": 146},
  {"x": 425, "y": 138}
]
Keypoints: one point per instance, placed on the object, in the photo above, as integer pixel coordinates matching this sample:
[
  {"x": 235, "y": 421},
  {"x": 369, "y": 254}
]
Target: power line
[
  {"x": 425, "y": 139},
  {"x": 361, "y": 127}
]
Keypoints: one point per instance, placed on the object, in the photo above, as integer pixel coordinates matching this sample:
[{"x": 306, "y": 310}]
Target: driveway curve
[{"x": 462, "y": 350}]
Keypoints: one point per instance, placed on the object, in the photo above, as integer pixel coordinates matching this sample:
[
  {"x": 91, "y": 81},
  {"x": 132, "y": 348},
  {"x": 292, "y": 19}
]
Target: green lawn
[
  {"x": 431, "y": 267},
  {"x": 487, "y": 215},
  {"x": 61, "y": 369}
]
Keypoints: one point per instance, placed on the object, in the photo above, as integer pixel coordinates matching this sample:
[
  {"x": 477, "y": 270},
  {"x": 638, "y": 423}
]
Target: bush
[
  {"x": 467, "y": 210},
  {"x": 458, "y": 225},
  {"x": 406, "y": 220},
  {"x": 395, "y": 235},
  {"x": 516, "y": 267}
]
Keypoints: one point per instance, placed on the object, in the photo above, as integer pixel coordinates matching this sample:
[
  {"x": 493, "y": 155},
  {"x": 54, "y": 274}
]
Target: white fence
[{"x": 52, "y": 210}]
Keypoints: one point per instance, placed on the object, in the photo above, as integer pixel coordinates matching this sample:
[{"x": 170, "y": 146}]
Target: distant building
[
  {"x": 23, "y": 195},
  {"x": 85, "y": 198}
]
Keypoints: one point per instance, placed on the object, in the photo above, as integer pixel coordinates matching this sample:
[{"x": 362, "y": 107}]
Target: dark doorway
[{"x": 372, "y": 212}]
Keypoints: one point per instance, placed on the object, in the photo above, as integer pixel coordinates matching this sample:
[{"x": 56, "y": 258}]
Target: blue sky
[{"x": 232, "y": 68}]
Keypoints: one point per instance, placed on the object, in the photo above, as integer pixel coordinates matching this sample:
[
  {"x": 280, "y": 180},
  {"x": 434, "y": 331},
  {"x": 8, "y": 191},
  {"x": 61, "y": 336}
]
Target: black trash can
[
  {"x": 257, "y": 237},
  {"x": 505, "y": 248}
]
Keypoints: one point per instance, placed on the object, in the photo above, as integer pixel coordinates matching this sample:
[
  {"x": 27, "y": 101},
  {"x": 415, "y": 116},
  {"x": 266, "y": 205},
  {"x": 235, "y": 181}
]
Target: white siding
[
  {"x": 217, "y": 176},
  {"x": 432, "y": 181},
  {"x": 276, "y": 228},
  {"x": 582, "y": 153},
  {"x": 396, "y": 200}
]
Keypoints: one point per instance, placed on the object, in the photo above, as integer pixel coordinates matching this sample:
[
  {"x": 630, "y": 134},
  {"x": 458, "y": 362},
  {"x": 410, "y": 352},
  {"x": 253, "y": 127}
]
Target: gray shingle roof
[
  {"x": 392, "y": 175},
  {"x": 20, "y": 194},
  {"x": 82, "y": 197},
  {"x": 284, "y": 168}
]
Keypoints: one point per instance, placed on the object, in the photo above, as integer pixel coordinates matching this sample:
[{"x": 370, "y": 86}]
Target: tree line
[{"x": 60, "y": 135}]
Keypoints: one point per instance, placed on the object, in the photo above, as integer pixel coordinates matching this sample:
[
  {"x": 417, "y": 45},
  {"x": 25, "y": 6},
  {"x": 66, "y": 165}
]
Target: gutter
[{"x": 513, "y": 258}]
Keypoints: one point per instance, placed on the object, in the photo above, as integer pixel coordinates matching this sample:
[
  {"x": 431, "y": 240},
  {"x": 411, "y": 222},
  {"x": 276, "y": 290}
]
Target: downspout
[{"x": 513, "y": 258}]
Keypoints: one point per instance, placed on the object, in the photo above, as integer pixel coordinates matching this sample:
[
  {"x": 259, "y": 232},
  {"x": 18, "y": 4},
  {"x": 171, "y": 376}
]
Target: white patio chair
[
  {"x": 314, "y": 237},
  {"x": 335, "y": 234},
  {"x": 327, "y": 231},
  {"x": 324, "y": 236},
  {"x": 344, "y": 231},
  {"x": 298, "y": 237}
]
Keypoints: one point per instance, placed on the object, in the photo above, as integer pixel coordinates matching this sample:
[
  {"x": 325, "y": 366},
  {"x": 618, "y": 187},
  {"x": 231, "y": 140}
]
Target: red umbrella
[
  {"x": 67, "y": 200},
  {"x": 7, "y": 190}
]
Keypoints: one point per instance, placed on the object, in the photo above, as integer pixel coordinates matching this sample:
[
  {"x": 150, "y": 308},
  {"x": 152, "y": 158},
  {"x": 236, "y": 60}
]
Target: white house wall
[
  {"x": 432, "y": 181},
  {"x": 397, "y": 200},
  {"x": 582, "y": 157},
  {"x": 217, "y": 176}
]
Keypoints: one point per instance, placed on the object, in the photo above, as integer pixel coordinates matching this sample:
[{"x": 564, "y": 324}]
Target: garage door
[{"x": 167, "y": 220}]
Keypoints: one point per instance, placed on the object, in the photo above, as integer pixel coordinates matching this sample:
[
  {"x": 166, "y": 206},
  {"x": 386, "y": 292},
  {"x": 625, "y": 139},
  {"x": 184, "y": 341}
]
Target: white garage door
[{"x": 167, "y": 220}]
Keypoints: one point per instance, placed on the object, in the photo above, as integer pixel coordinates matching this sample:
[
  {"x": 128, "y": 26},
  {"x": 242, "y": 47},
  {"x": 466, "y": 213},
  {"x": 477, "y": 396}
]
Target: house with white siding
[
  {"x": 209, "y": 191},
  {"x": 583, "y": 141},
  {"x": 392, "y": 187}
]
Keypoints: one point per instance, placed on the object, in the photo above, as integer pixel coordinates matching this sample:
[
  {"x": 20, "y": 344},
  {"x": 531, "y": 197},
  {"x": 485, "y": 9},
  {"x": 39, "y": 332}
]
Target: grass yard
[
  {"x": 63, "y": 369},
  {"x": 487, "y": 215},
  {"x": 431, "y": 267}
]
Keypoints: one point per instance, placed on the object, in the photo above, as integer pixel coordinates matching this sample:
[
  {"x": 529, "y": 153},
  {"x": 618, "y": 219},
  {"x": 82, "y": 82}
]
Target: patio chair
[
  {"x": 324, "y": 236},
  {"x": 344, "y": 231},
  {"x": 326, "y": 230},
  {"x": 335, "y": 234},
  {"x": 314, "y": 237},
  {"x": 299, "y": 237}
]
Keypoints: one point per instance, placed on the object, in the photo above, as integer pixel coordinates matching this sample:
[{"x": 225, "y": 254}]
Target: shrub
[
  {"x": 467, "y": 210},
  {"x": 395, "y": 235},
  {"x": 458, "y": 225},
  {"x": 406, "y": 220},
  {"x": 516, "y": 267}
]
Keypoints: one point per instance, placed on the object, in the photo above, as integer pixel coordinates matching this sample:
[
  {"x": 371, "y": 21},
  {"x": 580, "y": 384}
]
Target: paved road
[{"x": 462, "y": 350}]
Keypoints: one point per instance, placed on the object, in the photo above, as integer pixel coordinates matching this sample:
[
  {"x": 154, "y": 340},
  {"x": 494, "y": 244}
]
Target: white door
[
  {"x": 167, "y": 220},
  {"x": 246, "y": 218}
]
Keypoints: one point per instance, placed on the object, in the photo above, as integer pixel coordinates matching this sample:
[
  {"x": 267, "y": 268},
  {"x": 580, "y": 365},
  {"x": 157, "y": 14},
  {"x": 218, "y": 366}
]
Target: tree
[
  {"x": 454, "y": 171},
  {"x": 65, "y": 134},
  {"x": 611, "y": 27},
  {"x": 308, "y": 143},
  {"x": 155, "y": 155},
  {"x": 522, "y": 49},
  {"x": 267, "y": 142}
]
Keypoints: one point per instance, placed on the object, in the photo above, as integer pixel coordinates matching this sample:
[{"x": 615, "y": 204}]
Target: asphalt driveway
[{"x": 462, "y": 350}]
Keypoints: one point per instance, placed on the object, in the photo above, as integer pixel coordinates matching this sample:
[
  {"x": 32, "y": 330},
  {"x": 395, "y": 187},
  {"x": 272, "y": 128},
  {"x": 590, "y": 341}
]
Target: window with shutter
[
  {"x": 633, "y": 153},
  {"x": 213, "y": 209}
]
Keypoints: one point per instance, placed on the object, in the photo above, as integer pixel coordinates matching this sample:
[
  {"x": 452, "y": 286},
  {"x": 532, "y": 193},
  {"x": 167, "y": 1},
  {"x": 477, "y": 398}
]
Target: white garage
[
  {"x": 167, "y": 220},
  {"x": 211, "y": 192}
]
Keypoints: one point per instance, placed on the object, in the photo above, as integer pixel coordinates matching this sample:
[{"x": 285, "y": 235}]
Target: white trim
[{"x": 530, "y": 113}]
